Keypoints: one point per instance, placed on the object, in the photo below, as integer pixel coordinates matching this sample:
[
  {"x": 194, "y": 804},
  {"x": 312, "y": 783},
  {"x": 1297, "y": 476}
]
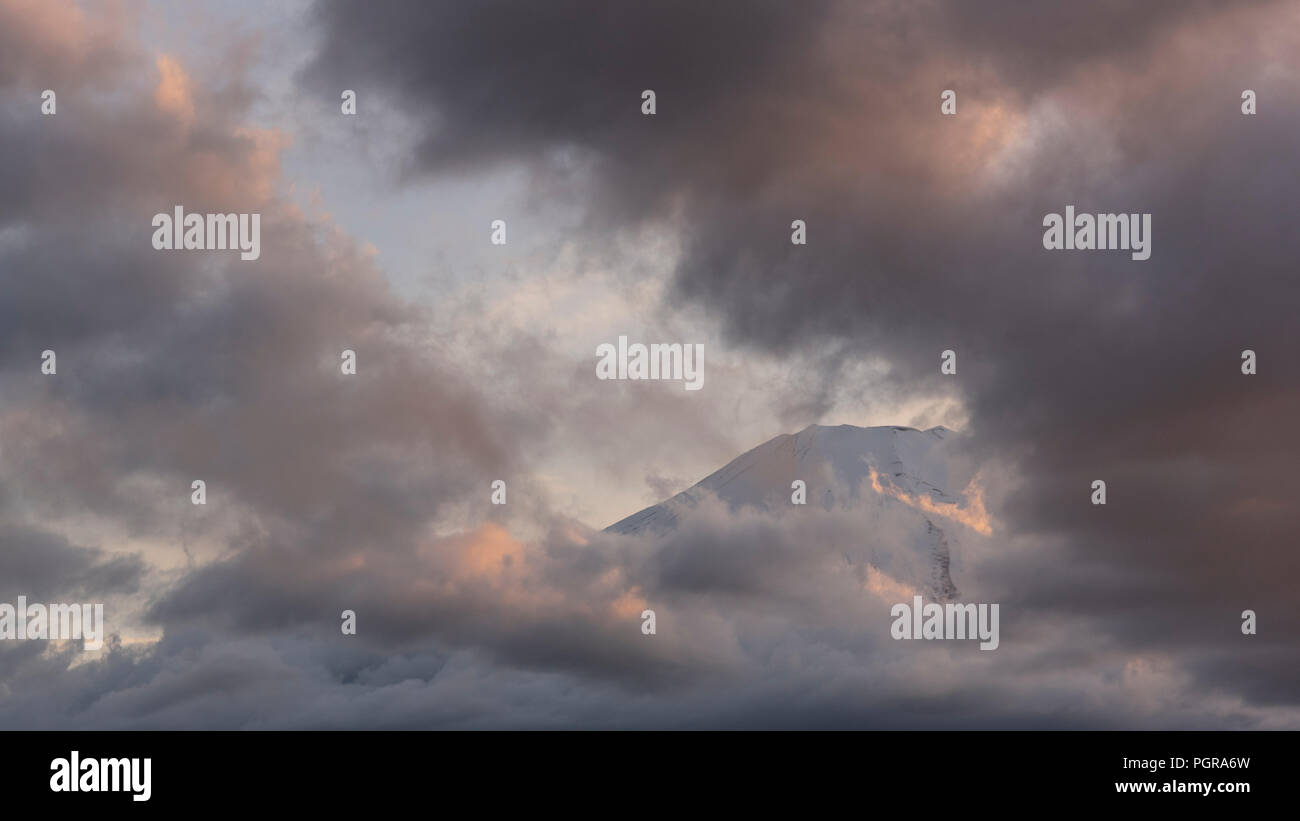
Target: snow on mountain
[{"x": 904, "y": 475}]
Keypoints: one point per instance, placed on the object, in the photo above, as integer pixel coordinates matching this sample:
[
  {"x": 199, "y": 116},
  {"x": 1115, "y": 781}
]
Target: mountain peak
[{"x": 841, "y": 466}]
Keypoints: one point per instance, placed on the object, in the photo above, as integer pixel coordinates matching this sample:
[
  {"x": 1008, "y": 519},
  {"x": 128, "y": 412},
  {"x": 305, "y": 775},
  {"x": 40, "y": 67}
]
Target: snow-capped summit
[{"x": 880, "y": 471}]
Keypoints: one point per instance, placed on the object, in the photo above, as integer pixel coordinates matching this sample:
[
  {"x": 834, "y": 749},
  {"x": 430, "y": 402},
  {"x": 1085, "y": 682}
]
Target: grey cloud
[
  {"x": 45, "y": 566},
  {"x": 925, "y": 234}
]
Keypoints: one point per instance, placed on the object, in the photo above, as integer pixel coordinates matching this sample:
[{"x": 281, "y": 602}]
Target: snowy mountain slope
[{"x": 876, "y": 472}]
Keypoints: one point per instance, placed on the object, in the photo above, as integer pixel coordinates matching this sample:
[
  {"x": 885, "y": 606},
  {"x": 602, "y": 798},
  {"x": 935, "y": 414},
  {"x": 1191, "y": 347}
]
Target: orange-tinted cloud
[{"x": 972, "y": 514}]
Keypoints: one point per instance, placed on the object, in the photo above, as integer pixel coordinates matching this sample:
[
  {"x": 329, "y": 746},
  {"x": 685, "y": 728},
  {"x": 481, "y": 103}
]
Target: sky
[{"x": 370, "y": 491}]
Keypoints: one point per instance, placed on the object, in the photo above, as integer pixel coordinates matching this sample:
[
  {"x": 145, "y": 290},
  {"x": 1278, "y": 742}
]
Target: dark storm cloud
[
  {"x": 925, "y": 234},
  {"x": 43, "y": 566},
  {"x": 498, "y": 80}
]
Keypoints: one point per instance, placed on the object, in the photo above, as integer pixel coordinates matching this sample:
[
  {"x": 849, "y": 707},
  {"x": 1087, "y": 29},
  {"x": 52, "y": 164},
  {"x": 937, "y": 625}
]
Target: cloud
[
  {"x": 924, "y": 234},
  {"x": 370, "y": 492},
  {"x": 172, "y": 95},
  {"x": 763, "y": 620}
]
